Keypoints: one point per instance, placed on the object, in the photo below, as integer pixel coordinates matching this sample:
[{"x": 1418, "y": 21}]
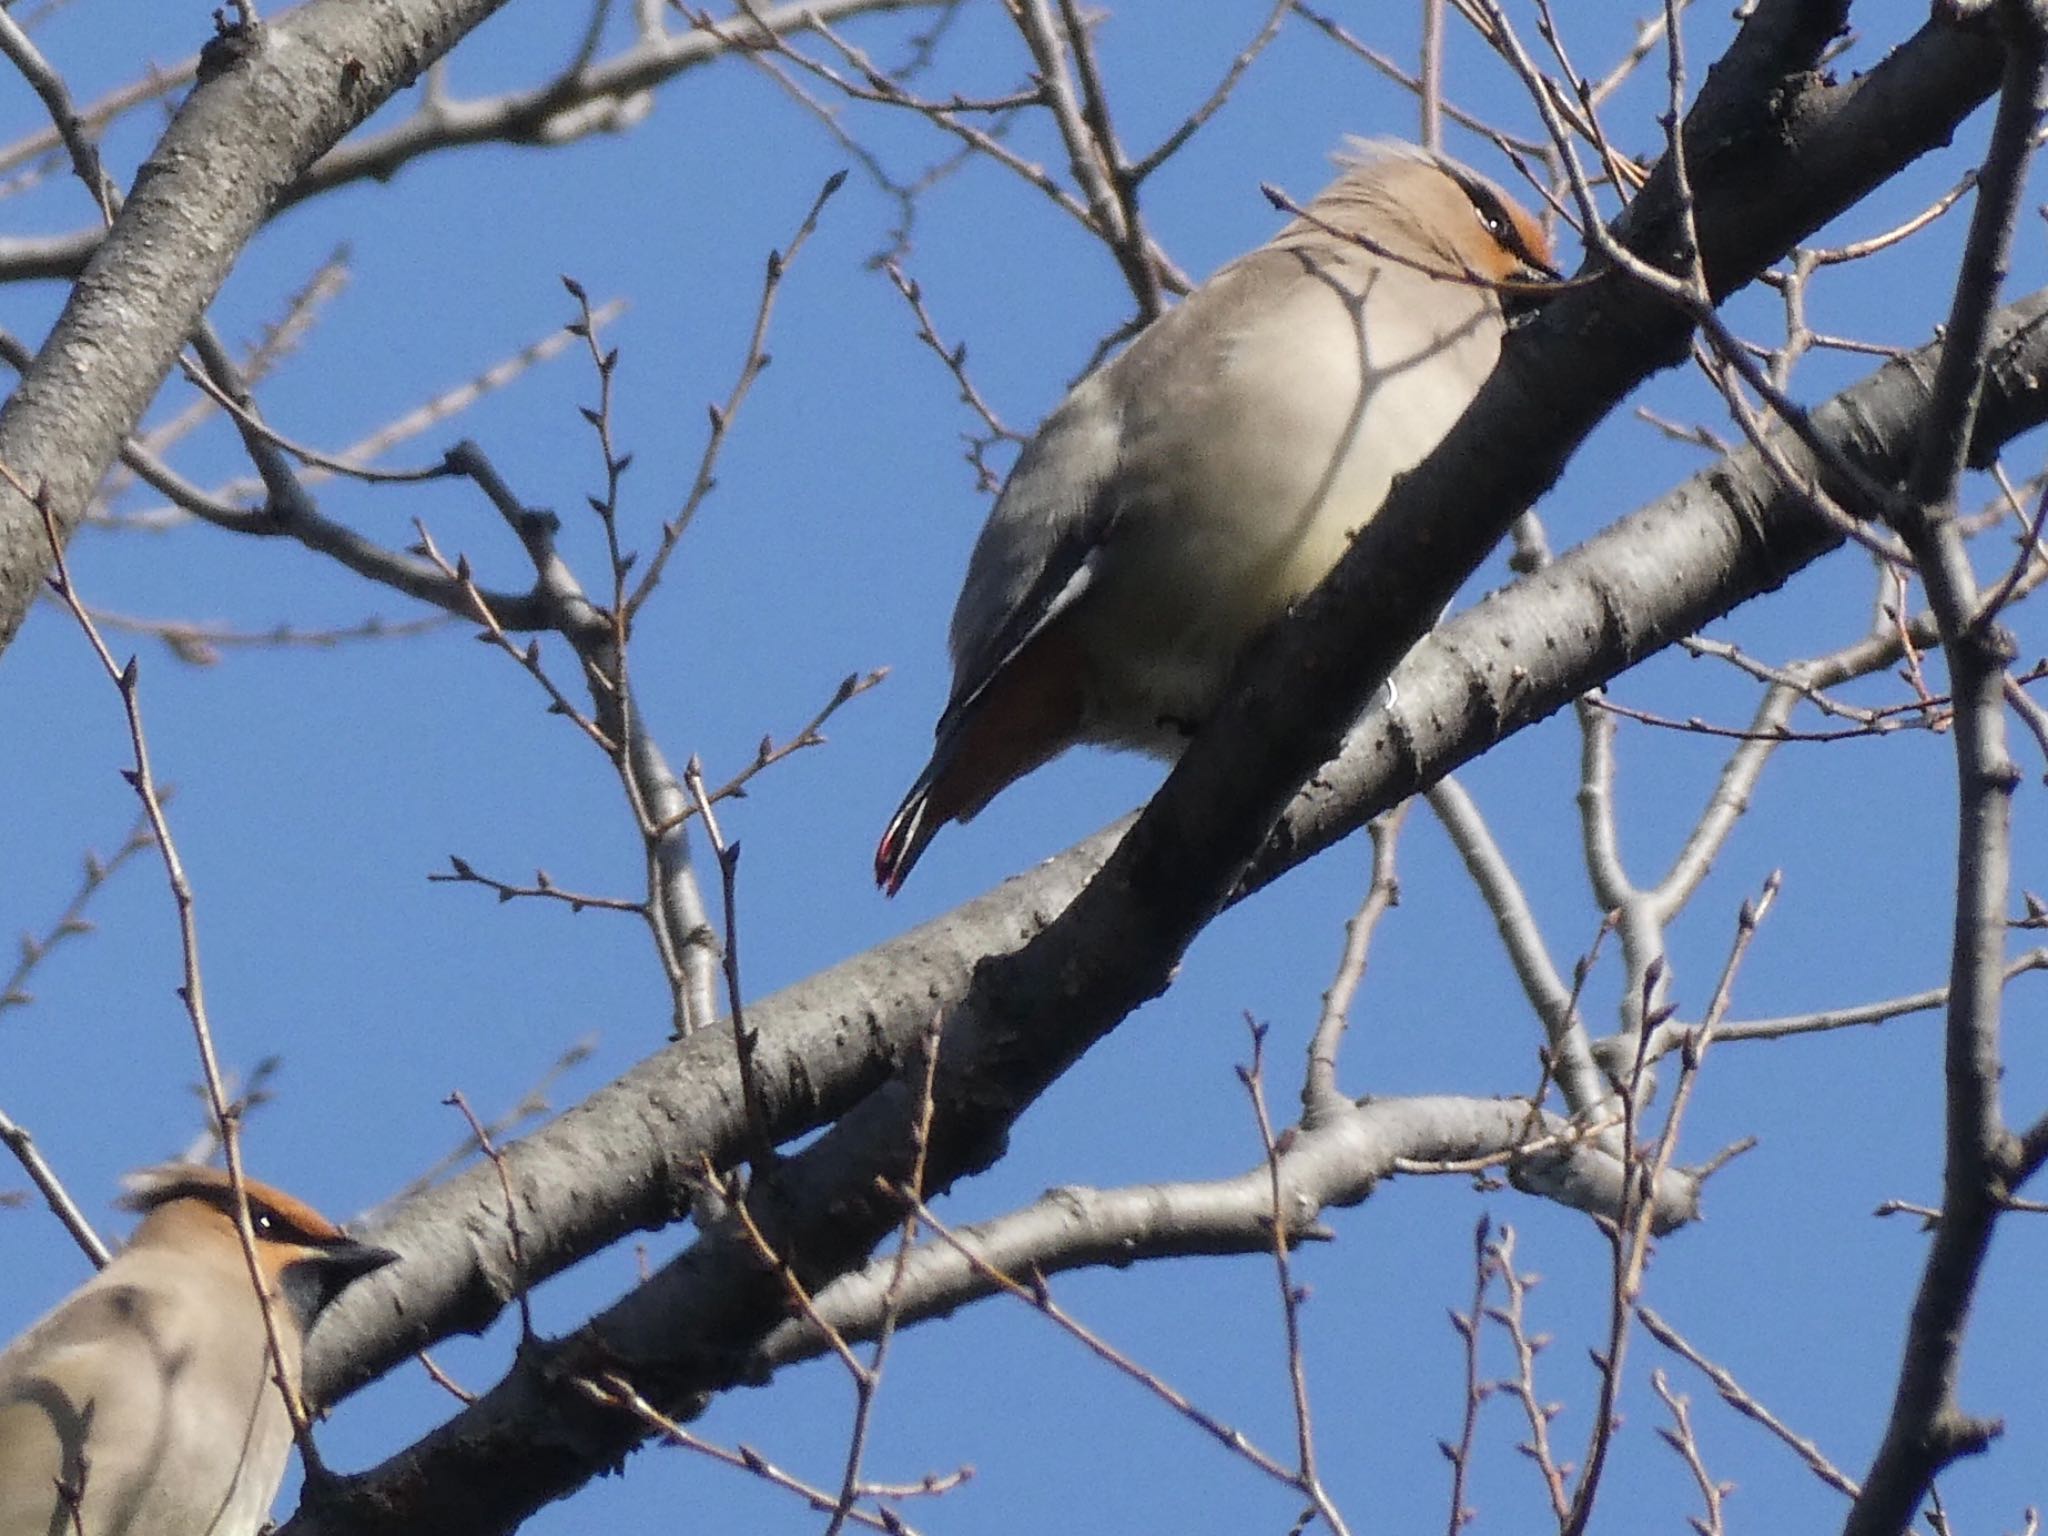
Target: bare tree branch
[
  {"x": 270, "y": 100},
  {"x": 1928, "y": 1428}
]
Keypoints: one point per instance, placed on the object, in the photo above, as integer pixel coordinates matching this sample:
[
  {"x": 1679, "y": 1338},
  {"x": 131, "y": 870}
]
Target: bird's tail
[
  {"x": 972, "y": 759},
  {"x": 1026, "y": 716},
  {"x": 904, "y": 840}
]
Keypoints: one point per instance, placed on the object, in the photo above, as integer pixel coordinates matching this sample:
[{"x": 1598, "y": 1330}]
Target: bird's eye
[
  {"x": 264, "y": 1223},
  {"x": 1493, "y": 221}
]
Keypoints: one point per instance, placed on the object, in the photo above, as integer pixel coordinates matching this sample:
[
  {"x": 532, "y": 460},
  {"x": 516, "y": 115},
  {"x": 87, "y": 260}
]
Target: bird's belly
[
  {"x": 1165, "y": 651},
  {"x": 1239, "y": 526}
]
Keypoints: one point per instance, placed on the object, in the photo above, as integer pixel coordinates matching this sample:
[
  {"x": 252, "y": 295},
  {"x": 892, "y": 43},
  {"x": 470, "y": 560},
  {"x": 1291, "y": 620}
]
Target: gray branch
[
  {"x": 1335, "y": 1162},
  {"x": 270, "y": 100},
  {"x": 1928, "y": 1427}
]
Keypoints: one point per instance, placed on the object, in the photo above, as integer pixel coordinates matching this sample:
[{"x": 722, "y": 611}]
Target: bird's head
[
  {"x": 306, "y": 1258},
  {"x": 1425, "y": 206}
]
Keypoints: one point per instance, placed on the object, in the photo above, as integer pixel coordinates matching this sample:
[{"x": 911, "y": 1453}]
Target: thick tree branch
[
  {"x": 270, "y": 100},
  {"x": 1336, "y": 1163}
]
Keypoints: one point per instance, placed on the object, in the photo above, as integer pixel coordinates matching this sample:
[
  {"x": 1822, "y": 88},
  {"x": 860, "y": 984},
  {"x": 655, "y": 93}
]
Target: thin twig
[
  {"x": 460, "y": 872},
  {"x": 1512, "y": 1315},
  {"x": 71, "y": 922},
  {"x": 615, "y": 1391},
  {"x": 768, "y": 753},
  {"x": 1737, "y": 1397},
  {"x": 1038, "y": 1296},
  {"x": 1468, "y": 1325},
  {"x": 1306, "y": 1477},
  {"x": 513, "y": 1234},
  {"x": 1319, "y": 1092},
  {"x": 16, "y": 1138},
  {"x": 745, "y": 1042},
  {"x": 751, "y": 364},
  {"x": 868, "y": 1383},
  {"x": 141, "y": 778},
  {"x": 1680, "y": 1438}
]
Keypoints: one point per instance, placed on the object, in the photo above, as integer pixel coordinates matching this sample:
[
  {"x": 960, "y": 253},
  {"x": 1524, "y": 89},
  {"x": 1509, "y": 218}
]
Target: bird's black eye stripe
[
  {"x": 1494, "y": 219},
  {"x": 271, "y": 1225}
]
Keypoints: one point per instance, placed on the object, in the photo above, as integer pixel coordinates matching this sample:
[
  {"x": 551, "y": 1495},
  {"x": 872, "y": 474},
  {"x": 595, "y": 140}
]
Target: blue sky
[{"x": 318, "y": 789}]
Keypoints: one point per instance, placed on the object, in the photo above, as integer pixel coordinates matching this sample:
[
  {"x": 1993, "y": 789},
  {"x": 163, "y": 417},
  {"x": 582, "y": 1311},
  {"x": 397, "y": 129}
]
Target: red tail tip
[{"x": 889, "y": 872}]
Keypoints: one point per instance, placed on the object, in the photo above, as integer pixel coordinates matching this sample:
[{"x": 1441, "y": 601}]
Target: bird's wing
[
  {"x": 1044, "y": 541},
  {"x": 1039, "y": 552}
]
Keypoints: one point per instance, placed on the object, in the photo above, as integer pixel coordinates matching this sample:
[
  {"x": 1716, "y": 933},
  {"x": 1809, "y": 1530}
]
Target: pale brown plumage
[
  {"x": 1186, "y": 493},
  {"x": 143, "y": 1405}
]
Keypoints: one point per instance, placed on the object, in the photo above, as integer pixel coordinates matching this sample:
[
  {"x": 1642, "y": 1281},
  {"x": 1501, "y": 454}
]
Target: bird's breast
[
  {"x": 1246, "y": 478},
  {"x": 148, "y": 1396}
]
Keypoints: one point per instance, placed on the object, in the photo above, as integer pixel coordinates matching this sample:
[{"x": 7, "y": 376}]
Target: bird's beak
[
  {"x": 1519, "y": 304},
  {"x": 313, "y": 1280},
  {"x": 351, "y": 1261}
]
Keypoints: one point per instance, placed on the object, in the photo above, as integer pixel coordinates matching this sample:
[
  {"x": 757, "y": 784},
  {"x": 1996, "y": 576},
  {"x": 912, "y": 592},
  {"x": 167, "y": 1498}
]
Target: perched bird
[
  {"x": 144, "y": 1405},
  {"x": 1186, "y": 493}
]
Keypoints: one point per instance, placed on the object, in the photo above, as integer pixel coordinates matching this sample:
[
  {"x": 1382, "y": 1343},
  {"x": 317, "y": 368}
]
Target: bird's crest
[{"x": 148, "y": 1188}]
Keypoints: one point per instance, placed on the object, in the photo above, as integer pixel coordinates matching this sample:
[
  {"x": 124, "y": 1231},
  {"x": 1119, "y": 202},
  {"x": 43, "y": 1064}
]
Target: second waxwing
[
  {"x": 144, "y": 1405},
  {"x": 1184, "y": 495}
]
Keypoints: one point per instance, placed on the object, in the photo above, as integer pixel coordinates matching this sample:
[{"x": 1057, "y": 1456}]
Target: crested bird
[
  {"x": 145, "y": 1404},
  {"x": 1190, "y": 490}
]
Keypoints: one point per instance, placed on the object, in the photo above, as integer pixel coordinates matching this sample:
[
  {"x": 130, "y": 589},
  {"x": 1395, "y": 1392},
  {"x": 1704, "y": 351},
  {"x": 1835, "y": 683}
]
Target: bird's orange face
[
  {"x": 1506, "y": 243},
  {"x": 1413, "y": 202}
]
